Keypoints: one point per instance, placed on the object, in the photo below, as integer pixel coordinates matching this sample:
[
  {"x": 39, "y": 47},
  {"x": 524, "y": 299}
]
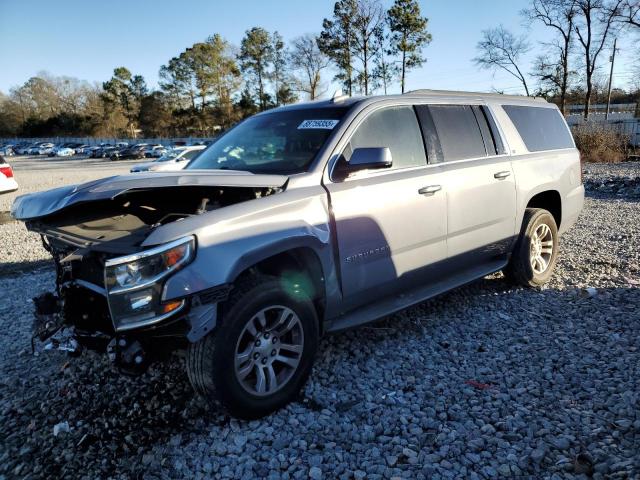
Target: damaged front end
[{"x": 109, "y": 285}]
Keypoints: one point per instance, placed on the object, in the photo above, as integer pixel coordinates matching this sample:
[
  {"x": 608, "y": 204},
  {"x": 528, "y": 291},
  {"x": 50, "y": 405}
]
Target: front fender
[{"x": 274, "y": 225}]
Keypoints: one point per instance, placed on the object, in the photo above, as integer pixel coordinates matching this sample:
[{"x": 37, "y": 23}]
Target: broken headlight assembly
[{"x": 134, "y": 284}]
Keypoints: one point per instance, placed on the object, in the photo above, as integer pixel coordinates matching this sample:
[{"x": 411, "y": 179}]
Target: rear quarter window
[{"x": 540, "y": 128}]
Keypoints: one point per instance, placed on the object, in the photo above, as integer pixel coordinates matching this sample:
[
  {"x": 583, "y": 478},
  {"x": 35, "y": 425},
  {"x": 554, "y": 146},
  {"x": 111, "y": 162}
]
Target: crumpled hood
[{"x": 40, "y": 204}]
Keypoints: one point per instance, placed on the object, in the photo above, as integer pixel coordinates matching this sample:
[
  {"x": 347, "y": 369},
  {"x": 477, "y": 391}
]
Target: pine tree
[{"x": 409, "y": 35}]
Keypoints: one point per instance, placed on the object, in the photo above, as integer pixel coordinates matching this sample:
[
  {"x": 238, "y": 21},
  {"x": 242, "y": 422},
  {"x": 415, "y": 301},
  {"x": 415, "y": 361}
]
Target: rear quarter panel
[{"x": 537, "y": 172}]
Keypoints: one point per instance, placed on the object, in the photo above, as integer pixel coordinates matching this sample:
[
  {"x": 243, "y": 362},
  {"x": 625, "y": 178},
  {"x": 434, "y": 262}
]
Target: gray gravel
[{"x": 485, "y": 381}]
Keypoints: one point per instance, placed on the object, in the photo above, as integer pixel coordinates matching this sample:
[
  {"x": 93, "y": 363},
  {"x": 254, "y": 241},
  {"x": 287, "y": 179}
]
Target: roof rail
[{"x": 453, "y": 93}]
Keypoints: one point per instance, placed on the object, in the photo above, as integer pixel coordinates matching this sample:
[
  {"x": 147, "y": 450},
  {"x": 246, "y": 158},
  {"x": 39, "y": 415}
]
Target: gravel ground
[{"x": 485, "y": 381}]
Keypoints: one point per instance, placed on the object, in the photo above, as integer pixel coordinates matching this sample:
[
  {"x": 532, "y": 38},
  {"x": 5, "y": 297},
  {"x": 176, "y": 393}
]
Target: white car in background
[
  {"x": 175, "y": 159},
  {"x": 155, "y": 151},
  {"x": 65, "y": 152},
  {"x": 46, "y": 148},
  {"x": 7, "y": 181}
]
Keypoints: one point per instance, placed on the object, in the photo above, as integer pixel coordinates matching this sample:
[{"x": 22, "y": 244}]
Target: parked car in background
[
  {"x": 133, "y": 152},
  {"x": 7, "y": 181},
  {"x": 35, "y": 148},
  {"x": 103, "y": 151},
  {"x": 82, "y": 149},
  {"x": 45, "y": 148},
  {"x": 23, "y": 148},
  {"x": 57, "y": 148},
  {"x": 65, "y": 152},
  {"x": 7, "y": 150},
  {"x": 92, "y": 151},
  {"x": 155, "y": 151},
  {"x": 173, "y": 160}
]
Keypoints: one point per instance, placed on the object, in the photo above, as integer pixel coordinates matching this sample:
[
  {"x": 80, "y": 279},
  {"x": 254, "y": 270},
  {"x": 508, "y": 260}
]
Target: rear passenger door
[{"x": 479, "y": 179}]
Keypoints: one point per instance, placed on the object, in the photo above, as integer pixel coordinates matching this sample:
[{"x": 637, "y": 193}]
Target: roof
[{"x": 346, "y": 101}]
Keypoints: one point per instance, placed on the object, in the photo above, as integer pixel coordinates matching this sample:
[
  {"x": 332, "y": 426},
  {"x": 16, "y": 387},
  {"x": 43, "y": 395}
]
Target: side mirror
[{"x": 369, "y": 158}]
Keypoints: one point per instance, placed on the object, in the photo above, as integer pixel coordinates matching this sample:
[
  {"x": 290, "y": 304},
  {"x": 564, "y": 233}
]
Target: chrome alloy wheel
[
  {"x": 541, "y": 249},
  {"x": 269, "y": 350}
]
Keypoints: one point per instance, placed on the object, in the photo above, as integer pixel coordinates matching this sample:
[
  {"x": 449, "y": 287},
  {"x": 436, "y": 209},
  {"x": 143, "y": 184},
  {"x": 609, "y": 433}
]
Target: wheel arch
[
  {"x": 551, "y": 201},
  {"x": 301, "y": 266}
]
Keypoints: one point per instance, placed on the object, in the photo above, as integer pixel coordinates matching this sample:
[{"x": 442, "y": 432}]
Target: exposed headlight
[{"x": 134, "y": 283}]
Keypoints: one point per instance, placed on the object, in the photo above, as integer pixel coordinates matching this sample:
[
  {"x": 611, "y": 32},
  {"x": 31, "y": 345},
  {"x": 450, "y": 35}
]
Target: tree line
[
  {"x": 583, "y": 33},
  {"x": 213, "y": 84}
]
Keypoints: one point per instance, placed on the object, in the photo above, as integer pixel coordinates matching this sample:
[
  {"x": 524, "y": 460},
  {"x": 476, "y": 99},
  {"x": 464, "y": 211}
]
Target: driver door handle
[
  {"x": 502, "y": 175},
  {"x": 429, "y": 190}
]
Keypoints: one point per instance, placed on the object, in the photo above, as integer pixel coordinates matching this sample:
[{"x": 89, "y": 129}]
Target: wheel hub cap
[
  {"x": 269, "y": 350},
  {"x": 541, "y": 248}
]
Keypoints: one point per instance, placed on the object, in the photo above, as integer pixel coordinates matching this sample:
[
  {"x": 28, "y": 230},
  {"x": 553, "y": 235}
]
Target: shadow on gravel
[
  {"x": 609, "y": 196},
  {"x": 16, "y": 268},
  {"x": 611, "y": 191}
]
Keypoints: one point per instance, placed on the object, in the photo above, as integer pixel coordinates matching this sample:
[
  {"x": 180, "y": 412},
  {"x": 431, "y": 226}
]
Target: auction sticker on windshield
[{"x": 324, "y": 124}]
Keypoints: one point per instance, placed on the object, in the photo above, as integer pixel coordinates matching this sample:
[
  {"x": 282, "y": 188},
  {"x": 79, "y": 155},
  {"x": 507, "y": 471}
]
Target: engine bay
[{"x": 120, "y": 225}]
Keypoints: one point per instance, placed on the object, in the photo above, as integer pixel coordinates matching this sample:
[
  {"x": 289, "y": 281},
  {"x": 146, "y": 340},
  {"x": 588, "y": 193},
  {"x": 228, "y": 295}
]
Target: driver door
[{"x": 391, "y": 224}]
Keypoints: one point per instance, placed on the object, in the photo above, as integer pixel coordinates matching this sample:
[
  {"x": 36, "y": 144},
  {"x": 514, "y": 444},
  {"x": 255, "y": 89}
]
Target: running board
[{"x": 392, "y": 304}]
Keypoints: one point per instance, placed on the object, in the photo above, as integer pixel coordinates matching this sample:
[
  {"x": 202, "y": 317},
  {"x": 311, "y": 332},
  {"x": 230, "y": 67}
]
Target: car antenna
[{"x": 338, "y": 96}]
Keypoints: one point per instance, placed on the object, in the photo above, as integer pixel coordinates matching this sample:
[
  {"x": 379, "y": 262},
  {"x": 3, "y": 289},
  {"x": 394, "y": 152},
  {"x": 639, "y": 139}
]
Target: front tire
[
  {"x": 262, "y": 351},
  {"x": 535, "y": 254}
]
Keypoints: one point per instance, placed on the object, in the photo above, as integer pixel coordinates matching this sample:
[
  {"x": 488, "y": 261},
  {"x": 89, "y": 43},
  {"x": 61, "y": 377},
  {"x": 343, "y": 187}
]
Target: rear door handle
[
  {"x": 429, "y": 190},
  {"x": 501, "y": 175}
]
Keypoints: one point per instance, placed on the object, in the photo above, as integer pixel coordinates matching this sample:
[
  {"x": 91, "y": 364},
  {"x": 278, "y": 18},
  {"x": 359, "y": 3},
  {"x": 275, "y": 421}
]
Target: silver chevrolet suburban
[{"x": 300, "y": 221}]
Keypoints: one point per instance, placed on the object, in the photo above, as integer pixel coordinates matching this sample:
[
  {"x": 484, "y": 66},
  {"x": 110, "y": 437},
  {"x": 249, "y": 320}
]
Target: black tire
[
  {"x": 210, "y": 361},
  {"x": 519, "y": 270}
]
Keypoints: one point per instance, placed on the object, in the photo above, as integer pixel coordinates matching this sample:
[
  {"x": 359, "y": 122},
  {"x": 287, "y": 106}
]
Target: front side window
[
  {"x": 540, "y": 128},
  {"x": 396, "y": 128},
  {"x": 283, "y": 142}
]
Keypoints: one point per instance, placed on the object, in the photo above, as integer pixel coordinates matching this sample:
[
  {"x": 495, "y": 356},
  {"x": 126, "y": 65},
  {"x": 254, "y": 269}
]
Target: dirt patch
[{"x": 5, "y": 217}]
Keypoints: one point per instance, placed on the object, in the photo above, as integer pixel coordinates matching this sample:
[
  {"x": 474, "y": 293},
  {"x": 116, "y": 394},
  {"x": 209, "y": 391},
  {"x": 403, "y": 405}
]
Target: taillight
[
  {"x": 6, "y": 171},
  {"x": 580, "y": 163}
]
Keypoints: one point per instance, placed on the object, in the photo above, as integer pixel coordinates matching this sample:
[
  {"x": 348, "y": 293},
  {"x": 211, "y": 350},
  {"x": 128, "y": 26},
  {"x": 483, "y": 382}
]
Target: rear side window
[
  {"x": 540, "y": 128},
  {"x": 458, "y": 132},
  {"x": 396, "y": 128}
]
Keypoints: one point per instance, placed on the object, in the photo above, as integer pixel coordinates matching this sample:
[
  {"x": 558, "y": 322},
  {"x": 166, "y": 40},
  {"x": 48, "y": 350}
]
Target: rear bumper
[
  {"x": 571, "y": 207},
  {"x": 8, "y": 185}
]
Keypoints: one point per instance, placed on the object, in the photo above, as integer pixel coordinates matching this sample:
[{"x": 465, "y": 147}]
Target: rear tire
[
  {"x": 261, "y": 353},
  {"x": 536, "y": 251}
]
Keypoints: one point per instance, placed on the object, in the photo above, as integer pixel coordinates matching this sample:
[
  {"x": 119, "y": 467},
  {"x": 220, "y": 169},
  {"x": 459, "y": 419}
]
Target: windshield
[{"x": 280, "y": 142}]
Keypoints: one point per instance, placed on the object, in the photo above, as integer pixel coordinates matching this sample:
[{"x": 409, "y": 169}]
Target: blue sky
[{"x": 87, "y": 39}]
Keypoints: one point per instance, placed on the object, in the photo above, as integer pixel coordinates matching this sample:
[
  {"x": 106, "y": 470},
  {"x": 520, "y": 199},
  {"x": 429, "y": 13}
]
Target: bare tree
[
  {"x": 500, "y": 49},
  {"x": 310, "y": 61},
  {"x": 559, "y": 15},
  {"x": 594, "y": 24},
  {"x": 629, "y": 13}
]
